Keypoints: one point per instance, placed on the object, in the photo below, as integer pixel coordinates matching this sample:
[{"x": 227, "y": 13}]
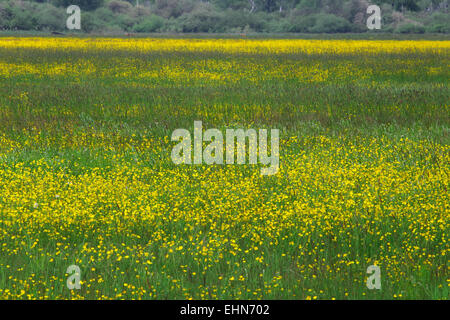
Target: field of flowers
[{"x": 86, "y": 176}]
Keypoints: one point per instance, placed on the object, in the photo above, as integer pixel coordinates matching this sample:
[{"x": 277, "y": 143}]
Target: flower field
[{"x": 86, "y": 176}]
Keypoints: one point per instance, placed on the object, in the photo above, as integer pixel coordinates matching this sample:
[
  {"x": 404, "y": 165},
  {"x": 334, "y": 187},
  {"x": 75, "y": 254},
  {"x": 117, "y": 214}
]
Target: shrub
[
  {"x": 232, "y": 20},
  {"x": 438, "y": 28},
  {"x": 51, "y": 18},
  {"x": 125, "y": 22},
  {"x": 173, "y": 8},
  {"x": 105, "y": 15},
  {"x": 259, "y": 21},
  {"x": 302, "y": 23},
  {"x": 23, "y": 18},
  {"x": 281, "y": 25},
  {"x": 5, "y": 16},
  {"x": 90, "y": 22},
  {"x": 83, "y": 4},
  {"x": 319, "y": 23},
  {"x": 202, "y": 19},
  {"x": 152, "y": 23},
  {"x": 410, "y": 28},
  {"x": 118, "y": 6},
  {"x": 438, "y": 23},
  {"x": 329, "y": 23}
]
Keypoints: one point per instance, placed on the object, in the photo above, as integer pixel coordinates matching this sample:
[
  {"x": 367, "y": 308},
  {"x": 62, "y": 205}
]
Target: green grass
[{"x": 363, "y": 177}]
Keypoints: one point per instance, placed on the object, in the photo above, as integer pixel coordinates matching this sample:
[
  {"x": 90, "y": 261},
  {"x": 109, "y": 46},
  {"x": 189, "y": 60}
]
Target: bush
[
  {"x": 439, "y": 17},
  {"x": 438, "y": 28},
  {"x": 105, "y": 15},
  {"x": 259, "y": 21},
  {"x": 5, "y": 16},
  {"x": 83, "y": 4},
  {"x": 309, "y": 16},
  {"x": 329, "y": 23},
  {"x": 125, "y": 22},
  {"x": 438, "y": 23},
  {"x": 232, "y": 21},
  {"x": 202, "y": 19},
  {"x": 90, "y": 22},
  {"x": 22, "y": 17},
  {"x": 151, "y": 24},
  {"x": 51, "y": 18},
  {"x": 410, "y": 28},
  {"x": 302, "y": 24},
  {"x": 173, "y": 8},
  {"x": 281, "y": 25},
  {"x": 319, "y": 23},
  {"x": 118, "y": 6},
  {"x": 171, "y": 25}
]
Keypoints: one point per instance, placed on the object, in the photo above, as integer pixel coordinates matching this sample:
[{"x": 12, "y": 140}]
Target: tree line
[{"x": 227, "y": 16}]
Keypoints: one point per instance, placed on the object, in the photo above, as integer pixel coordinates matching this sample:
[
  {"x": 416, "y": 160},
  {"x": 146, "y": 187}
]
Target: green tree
[{"x": 83, "y": 4}]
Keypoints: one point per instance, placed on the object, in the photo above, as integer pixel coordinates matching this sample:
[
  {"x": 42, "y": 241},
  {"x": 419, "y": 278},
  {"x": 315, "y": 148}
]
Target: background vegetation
[{"x": 227, "y": 16}]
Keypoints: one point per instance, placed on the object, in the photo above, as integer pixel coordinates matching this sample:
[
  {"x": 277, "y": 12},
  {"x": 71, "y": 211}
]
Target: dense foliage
[{"x": 227, "y": 16}]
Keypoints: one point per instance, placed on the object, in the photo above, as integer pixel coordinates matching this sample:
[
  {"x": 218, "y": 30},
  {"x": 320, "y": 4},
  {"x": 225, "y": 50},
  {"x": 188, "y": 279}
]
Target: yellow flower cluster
[
  {"x": 180, "y": 225},
  {"x": 227, "y": 45}
]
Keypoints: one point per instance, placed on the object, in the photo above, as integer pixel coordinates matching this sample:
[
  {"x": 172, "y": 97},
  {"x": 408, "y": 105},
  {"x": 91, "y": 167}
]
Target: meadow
[{"x": 86, "y": 176}]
